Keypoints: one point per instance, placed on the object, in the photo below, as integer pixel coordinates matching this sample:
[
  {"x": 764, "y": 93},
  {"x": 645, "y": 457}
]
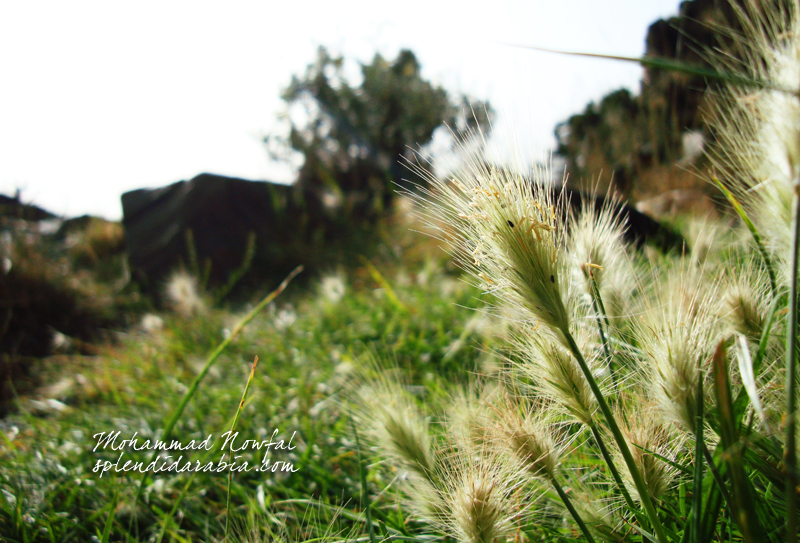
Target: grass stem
[
  {"x": 176, "y": 415},
  {"x": 572, "y": 511},
  {"x": 230, "y": 452},
  {"x": 700, "y": 446},
  {"x": 790, "y": 452},
  {"x": 754, "y": 232},
  {"x": 641, "y": 487},
  {"x": 598, "y": 437},
  {"x": 601, "y": 316}
]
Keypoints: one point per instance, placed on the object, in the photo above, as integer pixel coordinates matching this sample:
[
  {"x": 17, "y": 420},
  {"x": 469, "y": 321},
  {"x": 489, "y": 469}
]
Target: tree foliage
[
  {"x": 634, "y": 137},
  {"x": 353, "y": 138}
]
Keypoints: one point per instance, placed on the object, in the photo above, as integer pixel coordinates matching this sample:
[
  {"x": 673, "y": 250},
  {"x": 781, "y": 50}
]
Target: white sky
[{"x": 98, "y": 98}]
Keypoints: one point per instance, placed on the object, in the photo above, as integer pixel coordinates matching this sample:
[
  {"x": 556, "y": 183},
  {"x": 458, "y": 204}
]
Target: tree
[{"x": 354, "y": 138}]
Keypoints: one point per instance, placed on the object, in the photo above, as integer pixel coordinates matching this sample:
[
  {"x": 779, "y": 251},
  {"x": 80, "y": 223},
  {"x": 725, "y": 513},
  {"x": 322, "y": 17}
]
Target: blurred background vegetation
[
  {"x": 352, "y": 134},
  {"x": 82, "y": 343}
]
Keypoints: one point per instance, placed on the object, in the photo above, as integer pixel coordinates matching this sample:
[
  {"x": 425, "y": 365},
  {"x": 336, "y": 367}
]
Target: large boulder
[{"x": 216, "y": 215}]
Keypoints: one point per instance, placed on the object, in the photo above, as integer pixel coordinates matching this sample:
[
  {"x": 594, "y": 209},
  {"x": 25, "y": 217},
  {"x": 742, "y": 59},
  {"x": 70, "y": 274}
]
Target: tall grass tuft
[{"x": 648, "y": 388}]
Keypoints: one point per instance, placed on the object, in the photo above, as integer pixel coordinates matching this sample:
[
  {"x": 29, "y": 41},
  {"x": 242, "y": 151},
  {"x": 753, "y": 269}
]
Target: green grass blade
[
  {"x": 176, "y": 415},
  {"x": 712, "y": 510},
  {"x": 237, "y": 274},
  {"x": 572, "y": 511},
  {"x": 697, "y": 498},
  {"x": 753, "y": 231},
  {"x": 191, "y": 251},
  {"x": 743, "y": 510},
  {"x": 362, "y": 474},
  {"x": 7, "y": 441},
  {"x": 378, "y": 278},
  {"x": 176, "y": 503},
  {"x": 600, "y": 309},
  {"x": 717, "y": 475},
  {"x": 230, "y": 453},
  {"x": 674, "y": 66},
  {"x": 765, "y": 335},
  {"x": 112, "y": 511},
  {"x": 598, "y": 437},
  {"x": 680, "y": 467},
  {"x": 641, "y": 487},
  {"x": 790, "y": 454}
]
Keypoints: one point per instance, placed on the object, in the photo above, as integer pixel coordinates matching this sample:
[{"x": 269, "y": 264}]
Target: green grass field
[
  {"x": 582, "y": 389},
  {"x": 311, "y": 345}
]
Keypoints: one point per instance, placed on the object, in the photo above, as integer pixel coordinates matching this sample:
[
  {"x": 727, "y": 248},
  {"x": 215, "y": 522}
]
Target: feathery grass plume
[
  {"x": 553, "y": 373},
  {"x": 398, "y": 430},
  {"x": 529, "y": 438},
  {"x": 426, "y": 501},
  {"x": 471, "y": 414},
  {"x": 396, "y": 426},
  {"x": 534, "y": 442},
  {"x": 677, "y": 336},
  {"x": 510, "y": 233},
  {"x": 507, "y": 230},
  {"x": 182, "y": 294},
  {"x": 704, "y": 238},
  {"x": 745, "y": 299},
  {"x": 485, "y": 496},
  {"x": 601, "y": 256},
  {"x": 758, "y": 130},
  {"x": 647, "y": 434}
]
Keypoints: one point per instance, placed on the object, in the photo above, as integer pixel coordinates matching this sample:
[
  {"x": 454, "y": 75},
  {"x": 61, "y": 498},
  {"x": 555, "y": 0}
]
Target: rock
[
  {"x": 61, "y": 390},
  {"x": 215, "y": 215},
  {"x": 679, "y": 202},
  {"x": 207, "y": 221}
]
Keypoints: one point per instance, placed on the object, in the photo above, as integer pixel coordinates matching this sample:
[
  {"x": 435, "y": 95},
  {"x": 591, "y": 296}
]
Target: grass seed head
[
  {"x": 646, "y": 434},
  {"x": 677, "y": 337},
  {"x": 744, "y": 301},
  {"x": 484, "y": 496},
  {"x": 183, "y": 295},
  {"x": 758, "y": 128},
  {"x": 508, "y": 230},
  {"x": 333, "y": 288},
  {"x": 601, "y": 256},
  {"x": 471, "y": 414},
  {"x": 396, "y": 426},
  {"x": 555, "y": 374},
  {"x": 596, "y": 241},
  {"x": 530, "y": 439}
]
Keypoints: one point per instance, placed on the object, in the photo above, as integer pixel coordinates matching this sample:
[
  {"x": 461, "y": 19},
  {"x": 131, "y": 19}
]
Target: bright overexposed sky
[{"x": 98, "y": 98}]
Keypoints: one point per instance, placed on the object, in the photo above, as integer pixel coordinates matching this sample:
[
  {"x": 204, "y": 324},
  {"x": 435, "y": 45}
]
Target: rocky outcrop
[
  {"x": 640, "y": 141},
  {"x": 207, "y": 220}
]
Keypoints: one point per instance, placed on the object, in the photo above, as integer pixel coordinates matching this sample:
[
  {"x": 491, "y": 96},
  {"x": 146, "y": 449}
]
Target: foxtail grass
[
  {"x": 672, "y": 362},
  {"x": 510, "y": 233}
]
